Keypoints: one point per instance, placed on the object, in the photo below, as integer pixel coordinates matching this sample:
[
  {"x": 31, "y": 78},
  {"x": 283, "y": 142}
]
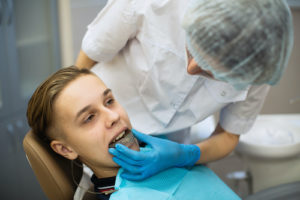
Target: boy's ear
[{"x": 63, "y": 150}]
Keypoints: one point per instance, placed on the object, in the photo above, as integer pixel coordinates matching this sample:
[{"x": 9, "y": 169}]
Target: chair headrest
[{"x": 52, "y": 170}]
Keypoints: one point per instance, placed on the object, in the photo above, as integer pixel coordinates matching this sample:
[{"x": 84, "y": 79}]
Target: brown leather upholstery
[{"x": 52, "y": 170}]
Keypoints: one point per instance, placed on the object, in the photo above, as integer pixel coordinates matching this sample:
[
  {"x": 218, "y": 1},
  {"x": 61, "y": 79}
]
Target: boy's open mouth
[{"x": 126, "y": 138}]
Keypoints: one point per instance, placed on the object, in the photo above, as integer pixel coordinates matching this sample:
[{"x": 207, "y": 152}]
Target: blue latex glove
[{"x": 163, "y": 154}]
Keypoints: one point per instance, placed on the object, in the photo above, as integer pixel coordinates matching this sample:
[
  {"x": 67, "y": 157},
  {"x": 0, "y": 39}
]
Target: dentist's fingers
[
  {"x": 130, "y": 168},
  {"x": 141, "y": 136},
  {"x": 131, "y": 154},
  {"x": 133, "y": 177},
  {"x": 125, "y": 158},
  {"x": 122, "y": 151},
  {"x": 136, "y": 176}
]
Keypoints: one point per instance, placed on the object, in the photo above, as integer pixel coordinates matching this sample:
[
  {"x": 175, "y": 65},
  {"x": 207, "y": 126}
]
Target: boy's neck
[{"x": 105, "y": 173}]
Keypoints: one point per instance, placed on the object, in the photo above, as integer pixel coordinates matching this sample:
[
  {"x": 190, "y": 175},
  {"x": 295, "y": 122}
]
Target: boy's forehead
[
  {"x": 79, "y": 93},
  {"x": 83, "y": 85}
]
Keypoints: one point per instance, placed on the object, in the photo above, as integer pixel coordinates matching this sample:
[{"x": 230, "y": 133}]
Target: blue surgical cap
[{"x": 244, "y": 42}]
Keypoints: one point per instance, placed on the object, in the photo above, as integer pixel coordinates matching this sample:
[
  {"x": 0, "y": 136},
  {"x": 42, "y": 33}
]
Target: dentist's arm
[
  {"x": 83, "y": 61},
  {"x": 217, "y": 146}
]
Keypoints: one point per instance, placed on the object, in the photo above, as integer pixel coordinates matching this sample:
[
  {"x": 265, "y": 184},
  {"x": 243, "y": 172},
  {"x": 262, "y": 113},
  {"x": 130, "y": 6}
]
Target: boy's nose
[{"x": 111, "y": 118}]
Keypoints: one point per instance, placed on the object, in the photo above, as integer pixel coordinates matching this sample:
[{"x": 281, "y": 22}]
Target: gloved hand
[{"x": 163, "y": 154}]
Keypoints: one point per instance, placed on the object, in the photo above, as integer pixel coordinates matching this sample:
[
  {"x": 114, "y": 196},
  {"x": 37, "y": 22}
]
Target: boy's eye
[
  {"x": 89, "y": 118},
  {"x": 110, "y": 101}
]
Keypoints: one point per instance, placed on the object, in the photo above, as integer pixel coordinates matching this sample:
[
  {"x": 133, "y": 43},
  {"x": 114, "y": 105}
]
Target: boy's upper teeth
[{"x": 120, "y": 136}]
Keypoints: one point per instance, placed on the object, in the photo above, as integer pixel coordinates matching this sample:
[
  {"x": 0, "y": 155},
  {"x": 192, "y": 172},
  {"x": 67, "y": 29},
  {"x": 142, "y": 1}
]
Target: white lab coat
[{"x": 140, "y": 47}]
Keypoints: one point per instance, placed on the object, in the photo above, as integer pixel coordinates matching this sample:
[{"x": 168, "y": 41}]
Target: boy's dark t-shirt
[{"x": 103, "y": 186}]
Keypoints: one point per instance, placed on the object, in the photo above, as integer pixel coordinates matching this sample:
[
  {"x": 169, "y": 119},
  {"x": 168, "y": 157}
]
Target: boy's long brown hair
[{"x": 40, "y": 106}]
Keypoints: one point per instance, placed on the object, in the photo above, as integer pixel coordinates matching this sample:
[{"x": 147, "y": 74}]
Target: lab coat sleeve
[
  {"x": 239, "y": 117},
  {"x": 110, "y": 30}
]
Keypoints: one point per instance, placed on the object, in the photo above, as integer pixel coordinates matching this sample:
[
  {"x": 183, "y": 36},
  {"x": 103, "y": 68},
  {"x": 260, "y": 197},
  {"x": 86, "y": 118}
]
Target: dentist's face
[
  {"x": 194, "y": 69},
  {"x": 90, "y": 119}
]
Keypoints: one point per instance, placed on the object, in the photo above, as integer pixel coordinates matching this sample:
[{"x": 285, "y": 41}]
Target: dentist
[{"x": 236, "y": 49}]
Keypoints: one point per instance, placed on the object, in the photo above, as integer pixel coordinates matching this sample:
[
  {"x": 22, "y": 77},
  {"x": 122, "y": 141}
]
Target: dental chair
[{"x": 53, "y": 172}]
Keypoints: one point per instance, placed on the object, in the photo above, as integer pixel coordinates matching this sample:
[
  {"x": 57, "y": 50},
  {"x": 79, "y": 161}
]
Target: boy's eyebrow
[
  {"x": 86, "y": 108},
  {"x": 106, "y": 92}
]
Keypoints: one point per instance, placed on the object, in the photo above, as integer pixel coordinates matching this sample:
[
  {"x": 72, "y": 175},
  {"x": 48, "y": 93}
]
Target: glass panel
[
  {"x": 35, "y": 42},
  {"x": 0, "y": 97}
]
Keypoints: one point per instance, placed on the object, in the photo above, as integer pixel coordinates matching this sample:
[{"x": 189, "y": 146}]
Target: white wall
[
  {"x": 82, "y": 13},
  {"x": 74, "y": 16},
  {"x": 278, "y": 100}
]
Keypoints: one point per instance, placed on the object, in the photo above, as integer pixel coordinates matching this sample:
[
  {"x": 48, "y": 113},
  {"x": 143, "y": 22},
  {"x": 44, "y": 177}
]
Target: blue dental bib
[{"x": 196, "y": 183}]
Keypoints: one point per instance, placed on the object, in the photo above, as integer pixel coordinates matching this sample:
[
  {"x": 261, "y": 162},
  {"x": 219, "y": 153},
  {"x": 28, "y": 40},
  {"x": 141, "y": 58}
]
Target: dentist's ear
[{"x": 63, "y": 150}]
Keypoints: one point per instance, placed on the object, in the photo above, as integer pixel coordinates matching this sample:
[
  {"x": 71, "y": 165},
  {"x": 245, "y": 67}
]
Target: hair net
[{"x": 242, "y": 42}]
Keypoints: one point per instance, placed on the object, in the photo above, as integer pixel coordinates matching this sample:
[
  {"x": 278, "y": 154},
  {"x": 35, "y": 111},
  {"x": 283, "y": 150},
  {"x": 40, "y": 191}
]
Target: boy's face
[{"x": 90, "y": 119}]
